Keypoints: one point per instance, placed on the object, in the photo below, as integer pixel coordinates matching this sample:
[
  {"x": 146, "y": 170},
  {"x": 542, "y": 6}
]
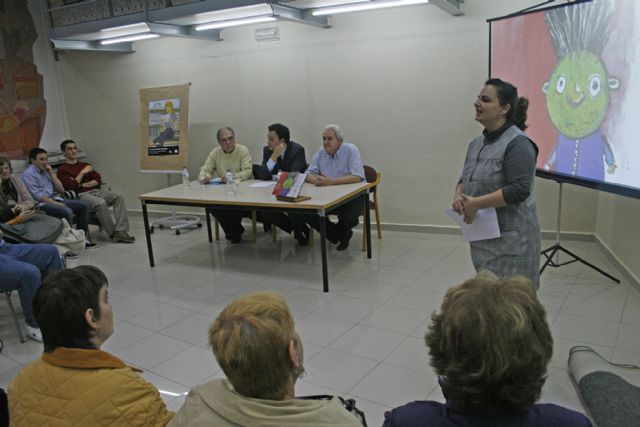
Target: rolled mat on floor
[{"x": 610, "y": 391}]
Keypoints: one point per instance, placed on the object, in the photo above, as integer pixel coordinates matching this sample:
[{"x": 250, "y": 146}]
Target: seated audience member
[
  {"x": 45, "y": 188},
  {"x": 282, "y": 155},
  {"x": 75, "y": 383},
  {"x": 229, "y": 156},
  {"x": 336, "y": 163},
  {"x": 13, "y": 190},
  {"x": 22, "y": 267},
  {"x": 490, "y": 345},
  {"x": 256, "y": 345},
  {"x": 82, "y": 178}
]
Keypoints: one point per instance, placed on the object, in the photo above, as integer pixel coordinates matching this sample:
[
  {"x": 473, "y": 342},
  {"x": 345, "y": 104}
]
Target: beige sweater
[
  {"x": 238, "y": 162},
  {"x": 216, "y": 404}
]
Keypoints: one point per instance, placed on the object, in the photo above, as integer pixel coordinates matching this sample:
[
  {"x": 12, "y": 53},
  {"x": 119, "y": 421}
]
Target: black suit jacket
[{"x": 294, "y": 161}]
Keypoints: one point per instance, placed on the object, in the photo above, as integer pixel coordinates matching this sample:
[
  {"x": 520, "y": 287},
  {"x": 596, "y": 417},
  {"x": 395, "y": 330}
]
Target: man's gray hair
[
  {"x": 225, "y": 128},
  {"x": 335, "y": 129}
]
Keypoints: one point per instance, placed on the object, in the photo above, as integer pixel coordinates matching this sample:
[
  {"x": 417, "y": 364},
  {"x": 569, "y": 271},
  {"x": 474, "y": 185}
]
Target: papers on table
[
  {"x": 216, "y": 181},
  {"x": 262, "y": 184},
  {"x": 484, "y": 226}
]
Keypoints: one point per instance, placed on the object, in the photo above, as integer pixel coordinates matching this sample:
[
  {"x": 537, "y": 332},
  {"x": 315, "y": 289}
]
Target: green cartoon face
[{"x": 578, "y": 94}]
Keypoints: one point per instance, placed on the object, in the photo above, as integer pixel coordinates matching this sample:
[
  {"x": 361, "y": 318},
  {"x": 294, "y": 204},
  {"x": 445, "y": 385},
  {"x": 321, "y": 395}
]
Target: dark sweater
[{"x": 435, "y": 414}]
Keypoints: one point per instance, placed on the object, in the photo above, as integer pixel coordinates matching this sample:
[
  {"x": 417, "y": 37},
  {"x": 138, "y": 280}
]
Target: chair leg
[
  {"x": 274, "y": 233},
  {"x": 377, "y": 209},
  {"x": 364, "y": 238},
  {"x": 311, "y": 236},
  {"x": 15, "y": 317},
  {"x": 253, "y": 226},
  {"x": 217, "y": 228}
]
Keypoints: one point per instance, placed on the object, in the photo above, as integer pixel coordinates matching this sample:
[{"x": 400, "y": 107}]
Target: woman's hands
[{"x": 465, "y": 205}]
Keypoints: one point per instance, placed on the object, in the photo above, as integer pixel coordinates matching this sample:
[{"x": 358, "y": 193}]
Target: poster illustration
[{"x": 164, "y": 127}]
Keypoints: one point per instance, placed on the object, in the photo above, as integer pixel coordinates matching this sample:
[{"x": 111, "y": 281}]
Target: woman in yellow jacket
[{"x": 75, "y": 383}]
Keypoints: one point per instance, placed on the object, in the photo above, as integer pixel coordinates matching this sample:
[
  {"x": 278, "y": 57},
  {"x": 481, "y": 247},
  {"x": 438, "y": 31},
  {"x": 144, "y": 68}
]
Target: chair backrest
[
  {"x": 370, "y": 174},
  {"x": 255, "y": 168}
]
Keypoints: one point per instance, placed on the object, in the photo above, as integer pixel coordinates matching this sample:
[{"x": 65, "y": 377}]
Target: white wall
[
  {"x": 401, "y": 82},
  {"x": 56, "y": 126}
]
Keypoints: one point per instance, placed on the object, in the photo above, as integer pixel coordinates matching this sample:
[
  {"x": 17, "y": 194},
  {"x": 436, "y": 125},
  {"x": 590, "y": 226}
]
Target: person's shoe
[
  {"x": 236, "y": 238},
  {"x": 90, "y": 245},
  {"x": 344, "y": 241},
  {"x": 33, "y": 333},
  {"x": 70, "y": 255},
  {"x": 122, "y": 237},
  {"x": 301, "y": 237}
]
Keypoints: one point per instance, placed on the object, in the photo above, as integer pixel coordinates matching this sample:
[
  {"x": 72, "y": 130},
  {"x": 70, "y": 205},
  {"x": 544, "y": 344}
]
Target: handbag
[{"x": 349, "y": 405}]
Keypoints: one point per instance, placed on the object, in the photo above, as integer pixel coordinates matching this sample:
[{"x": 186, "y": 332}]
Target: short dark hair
[
  {"x": 225, "y": 128},
  {"x": 5, "y": 161},
  {"x": 281, "y": 130},
  {"x": 63, "y": 144},
  {"x": 508, "y": 94},
  {"x": 33, "y": 153},
  {"x": 490, "y": 345},
  {"x": 60, "y": 304}
]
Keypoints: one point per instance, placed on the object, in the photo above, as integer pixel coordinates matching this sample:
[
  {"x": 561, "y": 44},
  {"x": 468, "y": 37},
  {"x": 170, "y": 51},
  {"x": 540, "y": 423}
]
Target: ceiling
[{"x": 113, "y": 25}]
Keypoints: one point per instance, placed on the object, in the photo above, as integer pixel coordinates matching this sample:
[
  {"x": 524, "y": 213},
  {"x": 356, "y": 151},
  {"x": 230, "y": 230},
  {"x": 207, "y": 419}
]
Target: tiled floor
[{"x": 362, "y": 339}]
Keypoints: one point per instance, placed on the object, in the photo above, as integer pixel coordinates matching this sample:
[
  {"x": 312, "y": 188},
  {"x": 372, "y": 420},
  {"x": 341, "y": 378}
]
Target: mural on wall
[{"x": 22, "y": 104}]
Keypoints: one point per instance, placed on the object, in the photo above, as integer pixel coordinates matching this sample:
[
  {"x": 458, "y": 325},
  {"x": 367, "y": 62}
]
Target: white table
[{"x": 323, "y": 200}]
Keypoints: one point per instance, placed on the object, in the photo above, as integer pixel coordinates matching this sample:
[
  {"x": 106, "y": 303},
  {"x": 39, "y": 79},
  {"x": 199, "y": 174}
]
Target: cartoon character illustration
[
  {"x": 579, "y": 89},
  {"x": 170, "y": 123}
]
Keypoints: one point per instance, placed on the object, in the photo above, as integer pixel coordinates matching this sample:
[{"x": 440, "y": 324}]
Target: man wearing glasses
[{"x": 235, "y": 158}]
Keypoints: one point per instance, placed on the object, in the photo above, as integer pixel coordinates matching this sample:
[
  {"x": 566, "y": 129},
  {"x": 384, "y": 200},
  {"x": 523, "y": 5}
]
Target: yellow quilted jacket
[{"x": 83, "y": 387}]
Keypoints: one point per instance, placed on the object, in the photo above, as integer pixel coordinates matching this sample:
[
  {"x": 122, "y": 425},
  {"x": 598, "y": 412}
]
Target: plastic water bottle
[
  {"x": 185, "y": 177},
  {"x": 201, "y": 177},
  {"x": 229, "y": 178}
]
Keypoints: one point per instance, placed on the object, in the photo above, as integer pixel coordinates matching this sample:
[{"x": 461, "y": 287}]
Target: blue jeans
[
  {"x": 78, "y": 208},
  {"x": 22, "y": 267}
]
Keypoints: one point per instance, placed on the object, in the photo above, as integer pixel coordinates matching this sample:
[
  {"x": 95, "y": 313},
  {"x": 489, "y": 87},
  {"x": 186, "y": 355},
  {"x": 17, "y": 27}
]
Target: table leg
[
  {"x": 367, "y": 223},
  {"x": 206, "y": 214},
  {"x": 145, "y": 217},
  {"x": 323, "y": 251}
]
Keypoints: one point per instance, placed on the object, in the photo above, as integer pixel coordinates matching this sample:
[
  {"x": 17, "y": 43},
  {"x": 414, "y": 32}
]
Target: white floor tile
[
  {"x": 151, "y": 350},
  {"x": 193, "y": 329},
  {"x": 337, "y": 370},
  {"x": 395, "y": 319},
  {"x": 373, "y": 291},
  {"x": 590, "y": 331},
  {"x": 349, "y": 309},
  {"x": 189, "y": 367},
  {"x": 412, "y": 353},
  {"x": 393, "y": 386},
  {"x": 367, "y": 342},
  {"x": 321, "y": 330},
  {"x": 629, "y": 338},
  {"x": 559, "y": 389},
  {"x": 160, "y": 317}
]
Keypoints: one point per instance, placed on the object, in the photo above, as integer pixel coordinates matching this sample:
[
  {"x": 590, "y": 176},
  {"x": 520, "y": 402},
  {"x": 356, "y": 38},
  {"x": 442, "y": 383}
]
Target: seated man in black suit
[{"x": 282, "y": 155}]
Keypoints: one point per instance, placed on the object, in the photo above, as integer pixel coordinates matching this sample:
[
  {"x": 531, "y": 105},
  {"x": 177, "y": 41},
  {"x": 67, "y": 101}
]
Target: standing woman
[{"x": 499, "y": 173}]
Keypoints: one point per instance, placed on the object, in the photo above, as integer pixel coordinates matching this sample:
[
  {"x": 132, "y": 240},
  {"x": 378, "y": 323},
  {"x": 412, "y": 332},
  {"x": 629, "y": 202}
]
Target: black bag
[
  {"x": 349, "y": 405},
  {"x": 38, "y": 229}
]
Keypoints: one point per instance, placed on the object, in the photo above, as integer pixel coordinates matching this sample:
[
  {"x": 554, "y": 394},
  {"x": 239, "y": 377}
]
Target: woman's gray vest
[{"x": 517, "y": 250}]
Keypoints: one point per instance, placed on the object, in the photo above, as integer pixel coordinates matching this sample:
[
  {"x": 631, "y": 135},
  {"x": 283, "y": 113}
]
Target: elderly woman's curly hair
[{"x": 490, "y": 344}]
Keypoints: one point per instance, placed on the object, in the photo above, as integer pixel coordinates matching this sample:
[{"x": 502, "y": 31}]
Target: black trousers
[
  {"x": 347, "y": 219},
  {"x": 230, "y": 220}
]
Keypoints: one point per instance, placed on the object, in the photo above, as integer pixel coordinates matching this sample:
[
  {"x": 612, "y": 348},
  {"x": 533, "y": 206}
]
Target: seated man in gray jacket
[{"x": 256, "y": 345}]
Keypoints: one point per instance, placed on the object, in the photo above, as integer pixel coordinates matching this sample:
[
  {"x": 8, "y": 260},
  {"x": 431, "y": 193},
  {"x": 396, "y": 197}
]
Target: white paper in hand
[{"x": 484, "y": 226}]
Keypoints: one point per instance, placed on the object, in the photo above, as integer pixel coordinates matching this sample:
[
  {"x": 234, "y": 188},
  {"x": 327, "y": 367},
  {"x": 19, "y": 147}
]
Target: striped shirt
[{"x": 344, "y": 162}]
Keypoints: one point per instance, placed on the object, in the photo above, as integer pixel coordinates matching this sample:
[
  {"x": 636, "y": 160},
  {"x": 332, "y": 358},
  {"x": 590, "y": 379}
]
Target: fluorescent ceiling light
[
  {"x": 132, "y": 38},
  {"x": 234, "y": 22},
  {"x": 234, "y": 13},
  {"x": 365, "y": 6},
  {"x": 137, "y": 27}
]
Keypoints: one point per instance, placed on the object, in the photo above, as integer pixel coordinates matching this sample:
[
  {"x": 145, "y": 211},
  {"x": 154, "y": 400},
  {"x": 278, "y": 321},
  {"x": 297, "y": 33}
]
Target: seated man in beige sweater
[{"x": 234, "y": 158}]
